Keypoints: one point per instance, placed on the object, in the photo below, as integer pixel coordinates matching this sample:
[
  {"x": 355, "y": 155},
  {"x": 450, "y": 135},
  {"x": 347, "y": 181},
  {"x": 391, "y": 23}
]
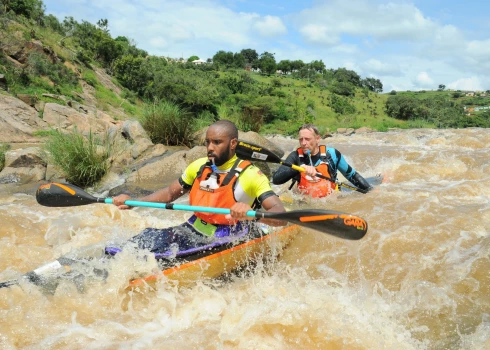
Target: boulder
[
  {"x": 18, "y": 121},
  {"x": 346, "y": 131},
  {"x": 160, "y": 172},
  {"x": 66, "y": 118},
  {"x": 23, "y": 166}
]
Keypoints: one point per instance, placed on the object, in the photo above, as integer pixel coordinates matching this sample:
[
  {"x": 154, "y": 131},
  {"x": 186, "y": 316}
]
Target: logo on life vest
[{"x": 207, "y": 189}]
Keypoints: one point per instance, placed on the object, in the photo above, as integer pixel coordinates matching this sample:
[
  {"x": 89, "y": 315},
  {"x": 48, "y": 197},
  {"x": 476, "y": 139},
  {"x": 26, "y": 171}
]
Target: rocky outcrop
[
  {"x": 23, "y": 166},
  {"x": 19, "y": 121},
  {"x": 66, "y": 118}
]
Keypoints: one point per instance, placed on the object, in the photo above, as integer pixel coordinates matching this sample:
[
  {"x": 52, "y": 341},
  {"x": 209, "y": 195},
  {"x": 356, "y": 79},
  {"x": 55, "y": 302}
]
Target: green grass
[
  {"x": 82, "y": 160},
  {"x": 370, "y": 108},
  {"x": 167, "y": 123},
  {"x": 45, "y": 133}
]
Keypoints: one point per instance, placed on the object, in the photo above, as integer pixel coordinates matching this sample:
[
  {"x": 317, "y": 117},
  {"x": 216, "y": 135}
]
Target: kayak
[
  {"x": 202, "y": 264},
  {"x": 221, "y": 260}
]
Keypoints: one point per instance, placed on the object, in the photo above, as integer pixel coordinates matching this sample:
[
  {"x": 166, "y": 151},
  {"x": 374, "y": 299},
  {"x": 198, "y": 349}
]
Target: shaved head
[
  {"x": 221, "y": 141},
  {"x": 228, "y": 126}
]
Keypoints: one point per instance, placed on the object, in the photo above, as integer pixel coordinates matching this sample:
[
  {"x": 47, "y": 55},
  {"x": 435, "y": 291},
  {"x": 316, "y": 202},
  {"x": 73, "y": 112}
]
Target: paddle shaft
[
  {"x": 335, "y": 223},
  {"x": 173, "y": 206}
]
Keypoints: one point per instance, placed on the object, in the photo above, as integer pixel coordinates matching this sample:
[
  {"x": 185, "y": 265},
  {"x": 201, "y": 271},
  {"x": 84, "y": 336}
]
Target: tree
[
  {"x": 52, "y": 22},
  {"x": 267, "y": 63},
  {"x": 341, "y": 105},
  {"x": 401, "y": 107},
  {"x": 318, "y": 66},
  {"x": 250, "y": 55},
  {"x": 133, "y": 73},
  {"x": 192, "y": 58},
  {"x": 372, "y": 84},
  {"x": 239, "y": 60},
  {"x": 285, "y": 66},
  {"x": 223, "y": 58},
  {"x": 103, "y": 24},
  {"x": 342, "y": 88},
  {"x": 347, "y": 76},
  {"x": 441, "y": 87},
  {"x": 297, "y": 65},
  {"x": 33, "y": 9}
]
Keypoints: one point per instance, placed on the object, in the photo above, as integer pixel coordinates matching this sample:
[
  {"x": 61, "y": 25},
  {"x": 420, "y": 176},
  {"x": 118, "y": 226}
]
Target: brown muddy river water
[{"x": 419, "y": 279}]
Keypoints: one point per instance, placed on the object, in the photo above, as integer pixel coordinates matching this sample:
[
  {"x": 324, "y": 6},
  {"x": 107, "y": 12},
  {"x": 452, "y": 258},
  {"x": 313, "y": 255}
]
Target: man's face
[
  {"x": 219, "y": 145},
  {"x": 308, "y": 140}
]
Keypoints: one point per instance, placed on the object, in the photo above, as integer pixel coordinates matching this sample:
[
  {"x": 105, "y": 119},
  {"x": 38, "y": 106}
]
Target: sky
[{"x": 415, "y": 45}]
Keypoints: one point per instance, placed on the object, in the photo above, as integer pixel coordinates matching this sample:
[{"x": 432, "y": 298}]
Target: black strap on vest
[{"x": 233, "y": 171}]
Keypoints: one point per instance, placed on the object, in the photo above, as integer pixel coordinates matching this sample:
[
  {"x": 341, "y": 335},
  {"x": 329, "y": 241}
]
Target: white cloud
[
  {"x": 424, "y": 80},
  {"x": 321, "y": 34},
  {"x": 472, "y": 83},
  {"x": 270, "y": 26},
  {"x": 345, "y": 48},
  {"x": 325, "y": 22},
  {"x": 375, "y": 67}
]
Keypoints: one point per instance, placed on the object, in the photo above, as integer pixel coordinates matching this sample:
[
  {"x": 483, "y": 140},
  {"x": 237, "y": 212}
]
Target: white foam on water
[{"x": 418, "y": 280}]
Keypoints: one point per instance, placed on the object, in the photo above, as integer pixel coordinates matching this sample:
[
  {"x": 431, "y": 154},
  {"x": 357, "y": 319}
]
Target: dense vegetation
[{"x": 242, "y": 86}]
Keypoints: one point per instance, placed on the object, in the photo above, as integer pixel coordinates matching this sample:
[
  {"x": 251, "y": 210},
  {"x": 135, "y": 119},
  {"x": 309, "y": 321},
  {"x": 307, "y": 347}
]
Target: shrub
[
  {"x": 168, "y": 123},
  {"x": 341, "y": 105},
  {"x": 3, "y": 149},
  {"x": 82, "y": 160}
]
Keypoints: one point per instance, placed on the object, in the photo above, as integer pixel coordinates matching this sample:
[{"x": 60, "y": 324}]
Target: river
[{"x": 419, "y": 279}]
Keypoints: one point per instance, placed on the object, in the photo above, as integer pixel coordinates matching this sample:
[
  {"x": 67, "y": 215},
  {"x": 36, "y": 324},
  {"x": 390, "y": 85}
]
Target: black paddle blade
[
  {"x": 63, "y": 195},
  {"x": 335, "y": 223},
  {"x": 250, "y": 151}
]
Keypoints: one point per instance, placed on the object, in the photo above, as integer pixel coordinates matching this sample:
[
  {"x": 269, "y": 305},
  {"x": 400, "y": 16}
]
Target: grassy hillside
[{"x": 369, "y": 107}]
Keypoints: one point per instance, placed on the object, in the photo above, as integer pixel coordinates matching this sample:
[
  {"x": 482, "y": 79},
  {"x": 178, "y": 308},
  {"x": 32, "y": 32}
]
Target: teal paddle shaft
[{"x": 173, "y": 206}]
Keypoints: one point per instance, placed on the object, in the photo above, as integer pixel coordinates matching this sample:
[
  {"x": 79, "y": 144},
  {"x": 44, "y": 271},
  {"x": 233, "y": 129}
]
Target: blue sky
[{"x": 413, "y": 45}]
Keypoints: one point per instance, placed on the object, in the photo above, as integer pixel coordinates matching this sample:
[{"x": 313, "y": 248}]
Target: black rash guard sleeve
[
  {"x": 184, "y": 185},
  {"x": 265, "y": 195},
  {"x": 358, "y": 181},
  {"x": 285, "y": 173}
]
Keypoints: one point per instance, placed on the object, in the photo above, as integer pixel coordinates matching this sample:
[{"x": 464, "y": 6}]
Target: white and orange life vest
[
  {"x": 221, "y": 197},
  {"x": 317, "y": 187}
]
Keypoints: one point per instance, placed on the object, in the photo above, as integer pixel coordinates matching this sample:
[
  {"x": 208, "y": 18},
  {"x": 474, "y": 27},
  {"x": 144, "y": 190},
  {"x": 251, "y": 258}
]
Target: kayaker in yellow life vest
[
  {"x": 219, "y": 180},
  {"x": 316, "y": 158}
]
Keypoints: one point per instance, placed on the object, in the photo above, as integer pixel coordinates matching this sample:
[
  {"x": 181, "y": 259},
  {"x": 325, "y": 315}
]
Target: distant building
[
  {"x": 481, "y": 108},
  {"x": 199, "y": 61}
]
